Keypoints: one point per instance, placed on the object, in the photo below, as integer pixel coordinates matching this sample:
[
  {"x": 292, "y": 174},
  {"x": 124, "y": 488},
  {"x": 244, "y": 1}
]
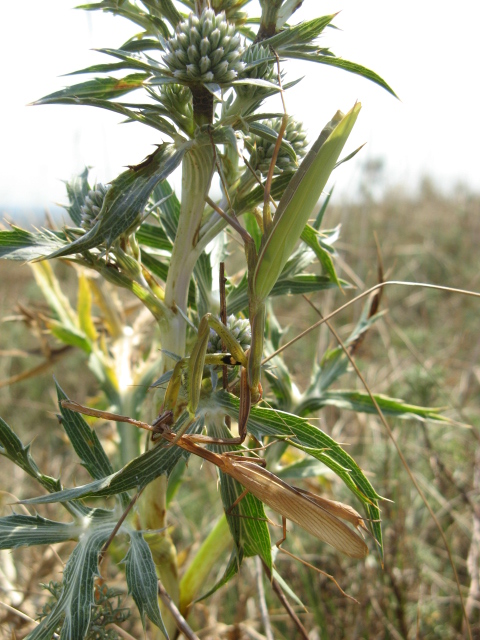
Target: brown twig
[
  {"x": 182, "y": 624},
  {"x": 285, "y": 603}
]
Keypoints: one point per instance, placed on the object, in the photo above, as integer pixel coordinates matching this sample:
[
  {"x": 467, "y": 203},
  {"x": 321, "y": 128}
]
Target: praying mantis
[{"x": 323, "y": 518}]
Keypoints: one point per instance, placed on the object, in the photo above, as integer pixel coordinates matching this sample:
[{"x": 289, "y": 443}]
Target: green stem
[
  {"x": 197, "y": 172},
  {"x": 213, "y": 547}
]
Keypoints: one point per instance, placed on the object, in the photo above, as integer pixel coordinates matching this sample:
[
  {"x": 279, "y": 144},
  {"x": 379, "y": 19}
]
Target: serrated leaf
[
  {"x": 305, "y": 468},
  {"x": 12, "y": 448},
  {"x": 20, "y": 530},
  {"x": 145, "y": 114},
  {"x": 362, "y": 403},
  {"x": 151, "y": 23},
  {"x": 136, "y": 474},
  {"x": 77, "y": 191},
  {"x": 304, "y": 32},
  {"x": 74, "y": 607},
  {"x": 19, "y": 244},
  {"x": 102, "y": 88},
  {"x": 142, "y": 580},
  {"x": 126, "y": 199},
  {"x": 340, "y": 63},
  {"x": 84, "y": 440}
]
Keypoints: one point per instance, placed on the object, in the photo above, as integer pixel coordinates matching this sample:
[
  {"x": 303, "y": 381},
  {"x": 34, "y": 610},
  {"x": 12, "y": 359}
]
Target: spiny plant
[{"x": 200, "y": 340}]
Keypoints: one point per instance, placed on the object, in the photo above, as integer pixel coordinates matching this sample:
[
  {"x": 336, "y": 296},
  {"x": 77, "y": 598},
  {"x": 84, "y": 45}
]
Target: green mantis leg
[{"x": 195, "y": 364}]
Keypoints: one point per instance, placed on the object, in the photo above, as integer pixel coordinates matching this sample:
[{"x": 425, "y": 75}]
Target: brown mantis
[{"x": 325, "y": 519}]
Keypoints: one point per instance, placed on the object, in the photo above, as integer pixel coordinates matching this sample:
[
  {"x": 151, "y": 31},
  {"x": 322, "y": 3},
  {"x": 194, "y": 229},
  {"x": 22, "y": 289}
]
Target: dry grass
[{"x": 424, "y": 351}]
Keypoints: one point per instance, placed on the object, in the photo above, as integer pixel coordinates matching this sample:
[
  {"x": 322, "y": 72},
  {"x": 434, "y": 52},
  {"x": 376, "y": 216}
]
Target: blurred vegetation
[{"x": 426, "y": 349}]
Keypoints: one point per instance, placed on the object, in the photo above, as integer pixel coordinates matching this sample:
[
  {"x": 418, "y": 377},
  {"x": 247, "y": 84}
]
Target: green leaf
[
  {"x": 261, "y": 130},
  {"x": 339, "y": 63},
  {"x": 362, "y": 403},
  {"x": 257, "y": 195},
  {"x": 234, "y": 564},
  {"x": 237, "y": 299},
  {"x": 135, "y": 475},
  {"x": 203, "y": 280},
  {"x": 77, "y": 191},
  {"x": 142, "y": 580},
  {"x": 270, "y": 422},
  {"x": 69, "y": 335},
  {"x": 310, "y": 237},
  {"x": 303, "y": 32},
  {"x": 20, "y": 530},
  {"x": 74, "y": 607},
  {"x": 19, "y": 244},
  {"x": 84, "y": 308},
  {"x": 126, "y": 199},
  {"x": 149, "y": 21},
  {"x": 102, "y": 88},
  {"x": 149, "y": 114},
  {"x": 169, "y": 207},
  {"x": 247, "y": 521},
  {"x": 305, "y": 468},
  {"x": 298, "y": 201},
  {"x": 164, "y": 8},
  {"x": 84, "y": 440},
  {"x": 153, "y": 236},
  {"x": 12, "y": 448}
]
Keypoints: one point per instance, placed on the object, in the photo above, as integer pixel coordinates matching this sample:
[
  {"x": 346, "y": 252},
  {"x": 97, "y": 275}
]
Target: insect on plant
[{"x": 206, "y": 76}]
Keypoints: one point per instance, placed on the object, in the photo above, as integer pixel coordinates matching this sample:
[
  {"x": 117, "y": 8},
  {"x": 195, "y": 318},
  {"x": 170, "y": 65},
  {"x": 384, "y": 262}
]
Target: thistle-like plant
[{"x": 205, "y": 75}]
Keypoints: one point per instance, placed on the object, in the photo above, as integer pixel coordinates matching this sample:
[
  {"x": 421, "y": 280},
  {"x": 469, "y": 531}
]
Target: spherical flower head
[
  {"x": 262, "y": 149},
  {"x": 92, "y": 205},
  {"x": 258, "y": 65},
  {"x": 240, "y": 327},
  {"x": 204, "y": 49}
]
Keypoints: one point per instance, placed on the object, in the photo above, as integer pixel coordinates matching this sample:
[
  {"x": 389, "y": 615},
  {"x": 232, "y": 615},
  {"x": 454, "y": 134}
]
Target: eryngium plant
[{"x": 205, "y": 74}]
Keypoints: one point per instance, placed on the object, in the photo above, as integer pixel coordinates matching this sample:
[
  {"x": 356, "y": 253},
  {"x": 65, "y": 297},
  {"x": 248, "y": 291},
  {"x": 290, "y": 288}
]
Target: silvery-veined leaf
[
  {"x": 84, "y": 440},
  {"x": 142, "y": 580},
  {"x": 12, "y": 448},
  {"x": 74, "y": 607},
  {"x": 20, "y": 530},
  {"x": 135, "y": 475},
  {"x": 19, "y": 244},
  {"x": 101, "y": 88},
  {"x": 125, "y": 201}
]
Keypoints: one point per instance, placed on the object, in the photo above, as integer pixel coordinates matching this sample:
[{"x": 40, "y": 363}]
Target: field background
[{"x": 425, "y": 350}]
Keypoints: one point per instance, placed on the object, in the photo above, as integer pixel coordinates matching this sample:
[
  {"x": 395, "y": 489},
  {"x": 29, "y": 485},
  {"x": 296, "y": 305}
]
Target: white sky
[{"x": 427, "y": 50}]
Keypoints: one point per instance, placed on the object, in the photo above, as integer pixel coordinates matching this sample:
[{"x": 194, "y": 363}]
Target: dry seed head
[
  {"x": 205, "y": 49},
  {"x": 262, "y": 149},
  {"x": 92, "y": 205}
]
